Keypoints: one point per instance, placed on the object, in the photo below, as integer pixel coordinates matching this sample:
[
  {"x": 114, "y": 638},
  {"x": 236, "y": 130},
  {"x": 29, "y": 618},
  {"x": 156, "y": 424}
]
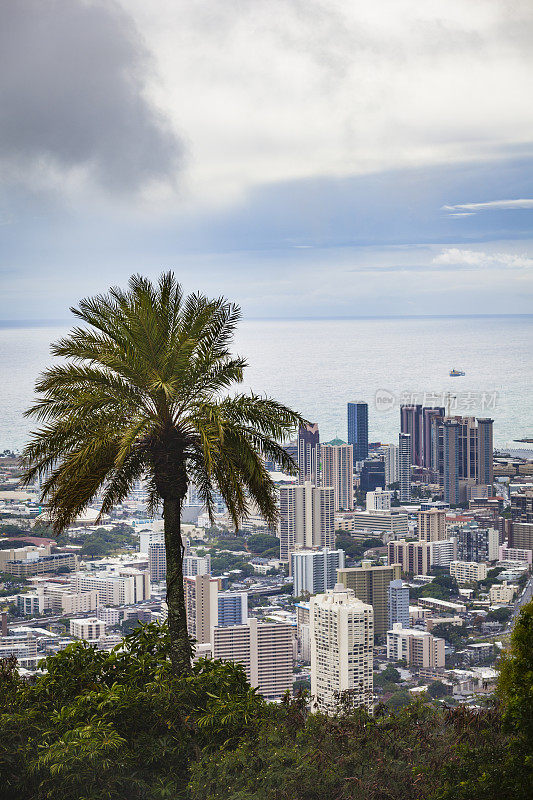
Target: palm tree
[{"x": 138, "y": 396}]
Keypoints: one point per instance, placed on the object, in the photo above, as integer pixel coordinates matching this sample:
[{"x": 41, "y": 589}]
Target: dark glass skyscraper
[
  {"x": 411, "y": 423},
  {"x": 358, "y": 429},
  {"x": 308, "y": 441}
]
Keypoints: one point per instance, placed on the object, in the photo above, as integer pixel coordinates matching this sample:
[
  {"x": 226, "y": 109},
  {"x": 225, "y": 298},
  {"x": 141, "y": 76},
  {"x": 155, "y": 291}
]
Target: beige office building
[
  {"x": 128, "y": 586},
  {"x": 431, "y": 525},
  {"x": 265, "y": 650},
  {"x": 370, "y": 585},
  {"x": 342, "y": 641}
]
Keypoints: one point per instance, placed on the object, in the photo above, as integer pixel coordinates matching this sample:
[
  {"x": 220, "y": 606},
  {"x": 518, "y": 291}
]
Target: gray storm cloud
[{"x": 72, "y": 95}]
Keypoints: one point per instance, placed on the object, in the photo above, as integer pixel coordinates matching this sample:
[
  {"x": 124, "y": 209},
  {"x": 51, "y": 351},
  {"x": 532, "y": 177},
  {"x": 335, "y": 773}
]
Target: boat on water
[{"x": 456, "y": 373}]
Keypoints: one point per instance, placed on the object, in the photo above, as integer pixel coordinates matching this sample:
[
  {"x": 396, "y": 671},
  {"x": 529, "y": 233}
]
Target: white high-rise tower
[
  {"x": 306, "y": 518},
  {"x": 342, "y": 643}
]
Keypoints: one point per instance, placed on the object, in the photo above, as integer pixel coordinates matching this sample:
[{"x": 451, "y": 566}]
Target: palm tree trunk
[{"x": 180, "y": 646}]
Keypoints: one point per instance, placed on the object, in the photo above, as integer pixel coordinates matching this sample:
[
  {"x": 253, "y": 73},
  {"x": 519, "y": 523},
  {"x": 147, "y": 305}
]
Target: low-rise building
[
  {"x": 383, "y": 525},
  {"x": 445, "y": 606},
  {"x": 42, "y": 566},
  {"x": 418, "y": 648},
  {"x": 65, "y": 600},
  {"x": 501, "y": 593},
  {"x": 89, "y": 628},
  {"x": 31, "y": 603},
  {"x": 17, "y": 553},
  {"x": 507, "y": 553},
  {"x": 468, "y": 571},
  {"x": 125, "y": 587},
  {"x": 20, "y": 645}
]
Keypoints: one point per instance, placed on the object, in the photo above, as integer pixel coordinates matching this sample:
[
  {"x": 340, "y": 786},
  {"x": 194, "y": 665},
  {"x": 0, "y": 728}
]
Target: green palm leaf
[{"x": 139, "y": 395}]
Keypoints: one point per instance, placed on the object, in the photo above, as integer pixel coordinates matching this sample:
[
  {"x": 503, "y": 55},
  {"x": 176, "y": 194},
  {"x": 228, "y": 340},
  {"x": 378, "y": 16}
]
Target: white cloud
[
  {"x": 496, "y": 205},
  {"x": 454, "y": 256},
  {"x": 281, "y": 89}
]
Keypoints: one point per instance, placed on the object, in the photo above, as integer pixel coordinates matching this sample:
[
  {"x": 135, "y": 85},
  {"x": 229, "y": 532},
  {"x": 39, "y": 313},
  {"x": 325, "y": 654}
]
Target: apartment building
[
  {"x": 418, "y": 648},
  {"x": 342, "y": 641},
  {"x": 468, "y": 571},
  {"x": 370, "y": 585},
  {"x": 89, "y": 628},
  {"x": 265, "y": 650},
  {"x": 414, "y": 557}
]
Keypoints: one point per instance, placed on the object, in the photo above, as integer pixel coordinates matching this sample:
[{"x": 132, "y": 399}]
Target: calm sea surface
[{"x": 318, "y": 366}]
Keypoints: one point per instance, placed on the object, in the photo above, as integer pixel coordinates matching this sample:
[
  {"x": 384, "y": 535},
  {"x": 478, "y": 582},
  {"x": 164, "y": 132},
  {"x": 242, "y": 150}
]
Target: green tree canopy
[{"x": 259, "y": 542}]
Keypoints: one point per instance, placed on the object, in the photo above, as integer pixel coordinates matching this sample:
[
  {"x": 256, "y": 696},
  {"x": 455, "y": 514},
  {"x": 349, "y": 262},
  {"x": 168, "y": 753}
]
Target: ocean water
[{"x": 317, "y": 366}]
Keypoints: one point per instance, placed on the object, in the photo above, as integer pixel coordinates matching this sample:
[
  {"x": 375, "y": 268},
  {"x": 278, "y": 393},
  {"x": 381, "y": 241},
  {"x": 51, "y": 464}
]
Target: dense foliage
[{"x": 119, "y": 725}]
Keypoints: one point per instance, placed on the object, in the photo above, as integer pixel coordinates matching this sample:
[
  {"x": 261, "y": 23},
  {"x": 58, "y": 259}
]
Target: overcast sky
[{"x": 307, "y": 158}]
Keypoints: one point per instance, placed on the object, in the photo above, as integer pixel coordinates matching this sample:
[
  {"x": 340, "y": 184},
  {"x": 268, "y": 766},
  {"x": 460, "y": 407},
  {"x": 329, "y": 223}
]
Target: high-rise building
[
  {"x": 443, "y": 552},
  {"x": 197, "y": 565},
  {"x": 463, "y": 451},
  {"x": 306, "y": 518},
  {"x": 371, "y": 585},
  {"x": 417, "y": 648},
  {"x": 201, "y": 604},
  {"x": 378, "y": 500},
  {"x": 476, "y": 544},
  {"x": 398, "y": 604},
  {"x": 372, "y": 475},
  {"x": 404, "y": 466},
  {"x": 308, "y": 441},
  {"x": 429, "y": 417},
  {"x": 414, "y": 557},
  {"x": 390, "y": 453},
  {"x": 521, "y": 533},
  {"x": 232, "y": 608},
  {"x": 157, "y": 561},
  {"x": 411, "y": 424},
  {"x": 358, "y": 429},
  {"x": 342, "y": 639},
  {"x": 485, "y": 469},
  {"x": 451, "y": 462},
  {"x": 431, "y": 525},
  {"x": 522, "y": 506},
  {"x": 315, "y": 571},
  {"x": 265, "y": 651},
  {"x": 335, "y": 469}
]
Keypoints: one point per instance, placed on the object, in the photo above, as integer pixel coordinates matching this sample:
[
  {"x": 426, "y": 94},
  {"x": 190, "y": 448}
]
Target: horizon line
[{"x": 18, "y": 323}]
